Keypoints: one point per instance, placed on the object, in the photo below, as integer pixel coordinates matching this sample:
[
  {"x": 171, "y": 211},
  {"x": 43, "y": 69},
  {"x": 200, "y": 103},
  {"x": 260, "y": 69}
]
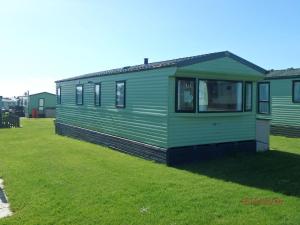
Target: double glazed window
[
  {"x": 58, "y": 95},
  {"x": 98, "y": 94},
  {"x": 264, "y": 98},
  {"x": 296, "y": 91},
  {"x": 79, "y": 94},
  {"x": 213, "y": 95},
  {"x": 120, "y": 94},
  {"x": 185, "y": 94},
  {"x": 220, "y": 96}
]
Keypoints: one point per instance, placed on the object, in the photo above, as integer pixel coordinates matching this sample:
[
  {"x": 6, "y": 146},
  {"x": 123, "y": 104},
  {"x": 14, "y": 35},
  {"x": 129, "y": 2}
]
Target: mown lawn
[{"x": 51, "y": 179}]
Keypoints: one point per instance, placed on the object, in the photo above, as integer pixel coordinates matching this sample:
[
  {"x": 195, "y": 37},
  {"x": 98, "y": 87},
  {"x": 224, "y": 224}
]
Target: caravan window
[
  {"x": 58, "y": 95},
  {"x": 264, "y": 98},
  {"x": 185, "y": 95},
  {"x": 79, "y": 94},
  {"x": 296, "y": 91},
  {"x": 248, "y": 97},
  {"x": 220, "y": 96},
  {"x": 97, "y": 94},
  {"x": 120, "y": 94},
  {"x": 41, "y": 104}
]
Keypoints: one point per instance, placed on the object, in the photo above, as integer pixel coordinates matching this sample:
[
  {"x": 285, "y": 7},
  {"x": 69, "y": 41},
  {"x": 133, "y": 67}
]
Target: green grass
[{"x": 51, "y": 179}]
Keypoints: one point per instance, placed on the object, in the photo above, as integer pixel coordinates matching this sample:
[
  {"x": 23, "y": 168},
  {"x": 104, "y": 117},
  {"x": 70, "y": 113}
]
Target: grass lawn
[{"x": 51, "y": 179}]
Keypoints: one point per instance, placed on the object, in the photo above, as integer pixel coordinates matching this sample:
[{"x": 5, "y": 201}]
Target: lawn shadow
[{"x": 274, "y": 170}]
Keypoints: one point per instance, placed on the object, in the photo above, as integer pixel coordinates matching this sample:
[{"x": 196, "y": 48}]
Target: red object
[{"x": 34, "y": 113}]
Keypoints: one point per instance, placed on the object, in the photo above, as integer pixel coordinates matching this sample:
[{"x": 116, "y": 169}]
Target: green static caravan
[
  {"x": 170, "y": 111},
  {"x": 284, "y": 88},
  {"x": 42, "y": 104}
]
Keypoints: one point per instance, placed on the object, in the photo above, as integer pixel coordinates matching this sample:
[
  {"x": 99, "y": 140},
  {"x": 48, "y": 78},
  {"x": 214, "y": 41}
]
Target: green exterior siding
[
  {"x": 149, "y": 116},
  {"x": 49, "y": 102},
  {"x": 226, "y": 67},
  {"x": 284, "y": 112},
  {"x": 144, "y": 118},
  {"x": 186, "y": 131}
]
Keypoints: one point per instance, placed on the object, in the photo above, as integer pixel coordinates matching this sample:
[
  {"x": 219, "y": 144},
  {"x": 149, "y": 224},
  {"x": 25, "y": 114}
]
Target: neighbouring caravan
[
  {"x": 40, "y": 105},
  {"x": 283, "y": 106}
]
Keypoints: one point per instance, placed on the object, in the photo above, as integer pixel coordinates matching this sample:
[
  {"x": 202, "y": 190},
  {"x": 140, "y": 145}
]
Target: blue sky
[{"x": 43, "y": 41}]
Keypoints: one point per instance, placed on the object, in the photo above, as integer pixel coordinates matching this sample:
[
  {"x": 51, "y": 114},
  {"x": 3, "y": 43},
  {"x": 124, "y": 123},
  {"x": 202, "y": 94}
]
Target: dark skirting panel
[
  {"x": 194, "y": 153},
  {"x": 287, "y": 131},
  {"x": 171, "y": 156},
  {"x": 121, "y": 144}
]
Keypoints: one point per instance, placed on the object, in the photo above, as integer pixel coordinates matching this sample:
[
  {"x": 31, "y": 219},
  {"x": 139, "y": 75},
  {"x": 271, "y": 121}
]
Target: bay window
[
  {"x": 185, "y": 95},
  {"x": 220, "y": 96}
]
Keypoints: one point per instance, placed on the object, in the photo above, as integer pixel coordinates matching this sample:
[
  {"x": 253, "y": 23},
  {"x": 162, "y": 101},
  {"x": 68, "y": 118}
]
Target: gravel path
[{"x": 4, "y": 205}]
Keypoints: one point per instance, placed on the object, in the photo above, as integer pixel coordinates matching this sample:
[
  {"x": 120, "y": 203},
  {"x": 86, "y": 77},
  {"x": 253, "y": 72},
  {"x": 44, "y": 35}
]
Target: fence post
[
  {"x": 18, "y": 121},
  {"x": 0, "y": 119}
]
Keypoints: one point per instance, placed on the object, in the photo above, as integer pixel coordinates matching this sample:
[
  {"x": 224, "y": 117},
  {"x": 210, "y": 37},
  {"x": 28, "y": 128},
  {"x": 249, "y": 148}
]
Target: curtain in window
[
  {"x": 248, "y": 97},
  {"x": 239, "y": 97},
  {"x": 203, "y": 96},
  {"x": 264, "y": 92},
  {"x": 185, "y": 95}
]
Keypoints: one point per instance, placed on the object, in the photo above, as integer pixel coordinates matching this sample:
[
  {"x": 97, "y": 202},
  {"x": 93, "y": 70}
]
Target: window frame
[
  {"x": 39, "y": 106},
  {"x": 176, "y": 94},
  {"x": 76, "y": 95},
  {"x": 124, "y": 95},
  {"x": 58, "y": 97},
  {"x": 97, "y": 102},
  {"x": 259, "y": 101},
  {"x": 233, "y": 81},
  {"x": 293, "y": 91},
  {"x": 245, "y": 96}
]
